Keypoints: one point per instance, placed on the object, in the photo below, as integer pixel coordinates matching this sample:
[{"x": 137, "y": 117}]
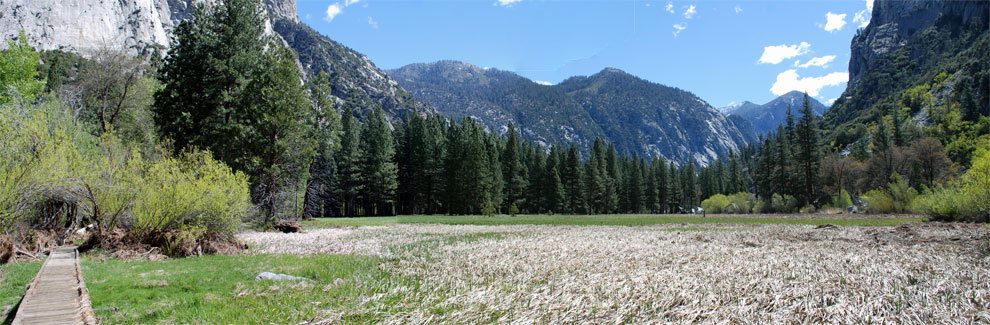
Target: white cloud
[
  {"x": 372, "y": 22},
  {"x": 507, "y": 3},
  {"x": 776, "y": 54},
  {"x": 678, "y": 28},
  {"x": 863, "y": 18},
  {"x": 834, "y": 22},
  {"x": 545, "y": 83},
  {"x": 689, "y": 13},
  {"x": 332, "y": 11},
  {"x": 821, "y": 61},
  {"x": 738, "y": 9},
  {"x": 670, "y": 7},
  {"x": 831, "y": 101},
  {"x": 348, "y": 3},
  {"x": 790, "y": 80}
]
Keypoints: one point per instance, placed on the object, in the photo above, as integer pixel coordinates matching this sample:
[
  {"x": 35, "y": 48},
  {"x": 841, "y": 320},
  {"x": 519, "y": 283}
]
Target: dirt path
[{"x": 58, "y": 293}]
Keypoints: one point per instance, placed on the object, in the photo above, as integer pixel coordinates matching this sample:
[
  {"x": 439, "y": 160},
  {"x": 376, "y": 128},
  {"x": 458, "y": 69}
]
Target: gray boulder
[{"x": 278, "y": 277}]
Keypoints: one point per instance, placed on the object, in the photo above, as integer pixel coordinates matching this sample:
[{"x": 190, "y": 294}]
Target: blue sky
[{"x": 723, "y": 51}]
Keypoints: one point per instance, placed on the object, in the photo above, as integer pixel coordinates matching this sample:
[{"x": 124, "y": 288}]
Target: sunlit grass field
[{"x": 621, "y": 220}]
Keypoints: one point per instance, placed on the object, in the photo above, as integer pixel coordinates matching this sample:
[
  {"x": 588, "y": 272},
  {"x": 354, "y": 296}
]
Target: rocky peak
[{"x": 283, "y": 9}]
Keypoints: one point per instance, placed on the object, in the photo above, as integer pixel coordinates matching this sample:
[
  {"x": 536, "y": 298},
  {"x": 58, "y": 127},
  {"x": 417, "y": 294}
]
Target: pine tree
[
  {"x": 674, "y": 198},
  {"x": 348, "y": 166},
  {"x": 205, "y": 74},
  {"x": 595, "y": 174},
  {"x": 663, "y": 185},
  {"x": 690, "y": 185},
  {"x": 611, "y": 180},
  {"x": 379, "y": 171},
  {"x": 808, "y": 155},
  {"x": 278, "y": 149},
  {"x": 783, "y": 170},
  {"x": 514, "y": 173},
  {"x": 320, "y": 198},
  {"x": 572, "y": 180}
]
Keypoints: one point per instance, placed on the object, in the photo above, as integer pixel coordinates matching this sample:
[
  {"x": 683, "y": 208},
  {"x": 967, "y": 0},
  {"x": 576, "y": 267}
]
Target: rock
[
  {"x": 278, "y": 277},
  {"x": 852, "y": 209}
]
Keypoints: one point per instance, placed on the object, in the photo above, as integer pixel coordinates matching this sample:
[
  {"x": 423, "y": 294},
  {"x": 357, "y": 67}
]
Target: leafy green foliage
[
  {"x": 742, "y": 202},
  {"x": 841, "y": 200},
  {"x": 967, "y": 198},
  {"x": 19, "y": 77},
  {"x": 232, "y": 90},
  {"x": 191, "y": 193}
]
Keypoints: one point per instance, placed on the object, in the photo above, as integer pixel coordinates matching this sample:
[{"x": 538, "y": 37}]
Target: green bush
[
  {"x": 841, "y": 200},
  {"x": 715, "y": 204},
  {"x": 48, "y": 160},
  {"x": 192, "y": 192},
  {"x": 896, "y": 198},
  {"x": 742, "y": 202},
  {"x": 878, "y": 201},
  {"x": 782, "y": 203},
  {"x": 965, "y": 199}
]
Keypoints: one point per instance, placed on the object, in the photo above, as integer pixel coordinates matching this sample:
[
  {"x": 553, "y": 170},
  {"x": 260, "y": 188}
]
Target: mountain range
[
  {"x": 767, "y": 117},
  {"x": 906, "y": 44},
  {"x": 638, "y": 116}
]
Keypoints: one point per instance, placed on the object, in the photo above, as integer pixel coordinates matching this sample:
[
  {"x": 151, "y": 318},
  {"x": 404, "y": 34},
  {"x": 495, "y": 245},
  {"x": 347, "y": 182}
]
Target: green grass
[
  {"x": 222, "y": 289},
  {"x": 610, "y": 220},
  {"x": 14, "y": 278}
]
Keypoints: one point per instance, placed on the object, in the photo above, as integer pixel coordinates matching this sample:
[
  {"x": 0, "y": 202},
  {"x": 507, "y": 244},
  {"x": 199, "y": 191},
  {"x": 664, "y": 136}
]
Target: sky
[{"x": 725, "y": 52}]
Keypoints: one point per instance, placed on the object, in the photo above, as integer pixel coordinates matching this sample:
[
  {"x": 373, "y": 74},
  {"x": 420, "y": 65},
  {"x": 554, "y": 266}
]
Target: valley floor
[{"x": 900, "y": 272}]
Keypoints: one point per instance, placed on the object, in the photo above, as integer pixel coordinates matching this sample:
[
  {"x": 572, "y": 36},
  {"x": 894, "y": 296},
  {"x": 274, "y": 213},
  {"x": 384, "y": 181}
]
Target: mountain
[
  {"x": 637, "y": 115},
  {"x": 941, "y": 44},
  {"x": 141, "y": 27},
  {"x": 767, "y": 117}
]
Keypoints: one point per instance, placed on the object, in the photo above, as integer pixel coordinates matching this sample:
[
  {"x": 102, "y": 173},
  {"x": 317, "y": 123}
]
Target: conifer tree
[
  {"x": 379, "y": 172},
  {"x": 514, "y": 173},
  {"x": 572, "y": 180},
  {"x": 348, "y": 163}
]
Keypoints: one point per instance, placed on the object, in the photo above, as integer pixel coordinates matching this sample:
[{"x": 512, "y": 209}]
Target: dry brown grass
[{"x": 930, "y": 273}]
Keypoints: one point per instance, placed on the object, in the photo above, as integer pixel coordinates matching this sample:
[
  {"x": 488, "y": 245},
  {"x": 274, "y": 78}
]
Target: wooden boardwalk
[{"x": 58, "y": 293}]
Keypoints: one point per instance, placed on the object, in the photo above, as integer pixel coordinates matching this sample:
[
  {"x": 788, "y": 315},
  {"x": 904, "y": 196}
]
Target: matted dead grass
[{"x": 927, "y": 273}]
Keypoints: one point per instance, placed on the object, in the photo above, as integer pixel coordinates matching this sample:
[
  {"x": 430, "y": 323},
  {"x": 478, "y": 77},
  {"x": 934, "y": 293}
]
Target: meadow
[{"x": 887, "y": 269}]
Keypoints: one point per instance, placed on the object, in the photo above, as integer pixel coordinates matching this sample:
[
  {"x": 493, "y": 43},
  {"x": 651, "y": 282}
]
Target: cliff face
[
  {"x": 142, "y": 26},
  {"x": 83, "y": 26},
  {"x": 907, "y": 44},
  {"x": 894, "y": 23}
]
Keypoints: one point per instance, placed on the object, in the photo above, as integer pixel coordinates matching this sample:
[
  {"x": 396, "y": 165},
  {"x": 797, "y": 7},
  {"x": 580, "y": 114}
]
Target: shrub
[
  {"x": 783, "y": 203},
  {"x": 192, "y": 192},
  {"x": 841, "y": 200},
  {"x": 965, "y": 199},
  {"x": 742, "y": 202},
  {"x": 715, "y": 204},
  {"x": 55, "y": 174},
  {"x": 896, "y": 198}
]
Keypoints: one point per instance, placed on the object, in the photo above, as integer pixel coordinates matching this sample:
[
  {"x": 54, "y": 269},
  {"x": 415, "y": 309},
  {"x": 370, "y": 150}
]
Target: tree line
[{"x": 229, "y": 88}]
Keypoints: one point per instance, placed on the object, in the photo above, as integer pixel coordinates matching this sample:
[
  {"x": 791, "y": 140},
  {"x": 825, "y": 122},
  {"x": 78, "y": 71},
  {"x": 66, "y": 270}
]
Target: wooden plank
[{"x": 58, "y": 294}]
